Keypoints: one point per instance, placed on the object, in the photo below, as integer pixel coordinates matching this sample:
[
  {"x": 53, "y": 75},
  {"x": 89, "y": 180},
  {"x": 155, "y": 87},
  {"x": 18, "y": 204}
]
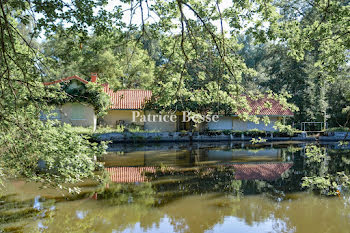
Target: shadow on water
[{"x": 203, "y": 186}]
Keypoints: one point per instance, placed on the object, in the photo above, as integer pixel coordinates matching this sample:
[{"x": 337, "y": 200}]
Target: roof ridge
[
  {"x": 133, "y": 90},
  {"x": 66, "y": 79}
]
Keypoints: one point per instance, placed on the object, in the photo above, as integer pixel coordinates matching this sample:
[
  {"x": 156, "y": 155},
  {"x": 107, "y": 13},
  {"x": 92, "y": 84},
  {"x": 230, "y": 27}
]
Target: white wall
[
  {"x": 113, "y": 116},
  {"x": 87, "y": 114},
  {"x": 224, "y": 122},
  {"x": 161, "y": 126},
  {"x": 262, "y": 126},
  {"x": 234, "y": 123},
  {"x": 239, "y": 125},
  {"x": 126, "y": 115}
]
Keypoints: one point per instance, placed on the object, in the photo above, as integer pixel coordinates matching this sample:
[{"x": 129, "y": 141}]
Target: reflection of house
[
  {"x": 263, "y": 171},
  {"x": 244, "y": 155},
  {"x": 124, "y": 102},
  {"x": 129, "y": 174},
  {"x": 148, "y": 158},
  {"x": 194, "y": 157}
]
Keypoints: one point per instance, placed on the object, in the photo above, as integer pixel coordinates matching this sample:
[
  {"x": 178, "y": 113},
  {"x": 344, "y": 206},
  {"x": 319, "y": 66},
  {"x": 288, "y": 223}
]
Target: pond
[{"x": 198, "y": 187}]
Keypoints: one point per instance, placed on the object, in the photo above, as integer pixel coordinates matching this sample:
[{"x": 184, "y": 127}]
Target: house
[
  {"x": 127, "y": 107},
  {"x": 124, "y": 102},
  {"x": 75, "y": 113},
  {"x": 275, "y": 112}
]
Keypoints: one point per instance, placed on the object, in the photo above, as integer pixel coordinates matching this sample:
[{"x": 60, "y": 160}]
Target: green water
[{"x": 197, "y": 191}]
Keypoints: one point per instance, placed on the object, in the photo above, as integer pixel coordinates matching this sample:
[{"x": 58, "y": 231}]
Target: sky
[{"x": 137, "y": 19}]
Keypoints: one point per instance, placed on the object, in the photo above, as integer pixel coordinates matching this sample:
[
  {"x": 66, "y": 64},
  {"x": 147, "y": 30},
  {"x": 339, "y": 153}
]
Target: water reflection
[
  {"x": 207, "y": 213},
  {"x": 281, "y": 167},
  {"x": 210, "y": 187},
  {"x": 184, "y": 155},
  {"x": 234, "y": 168}
]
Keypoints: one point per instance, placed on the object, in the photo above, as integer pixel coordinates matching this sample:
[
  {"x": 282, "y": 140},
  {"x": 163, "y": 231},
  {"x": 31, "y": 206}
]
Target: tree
[
  {"x": 299, "y": 60},
  {"x": 121, "y": 64},
  {"x": 29, "y": 147}
]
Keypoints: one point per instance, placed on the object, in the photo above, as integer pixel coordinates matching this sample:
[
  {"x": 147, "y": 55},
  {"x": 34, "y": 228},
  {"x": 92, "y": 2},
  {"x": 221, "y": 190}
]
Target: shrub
[
  {"x": 58, "y": 155},
  {"x": 338, "y": 129},
  {"x": 255, "y": 133}
]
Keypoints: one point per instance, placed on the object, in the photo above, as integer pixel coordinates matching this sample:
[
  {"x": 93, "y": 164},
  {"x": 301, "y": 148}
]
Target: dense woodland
[{"x": 202, "y": 56}]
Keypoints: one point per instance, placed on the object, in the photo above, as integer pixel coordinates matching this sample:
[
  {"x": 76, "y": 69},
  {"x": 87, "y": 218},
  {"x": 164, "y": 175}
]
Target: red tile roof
[
  {"x": 129, "y": 174},
  {"x": 267, "y": 171},
  {"x": 275, "y": 109},
  {"x": 127, "y": 99},
  {"x": 136, "y": 99},
  {"x": 65, "y": 80}
]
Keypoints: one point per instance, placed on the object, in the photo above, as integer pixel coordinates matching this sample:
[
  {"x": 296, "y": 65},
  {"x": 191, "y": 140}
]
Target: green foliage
[
  {"x": 338, "y": 129},
  {"x": 57, "y": 155},
  {"x": 254, "y": 133},
  {"x": 309, "y": 28},
  {"x": 119, "y": 194},
  {"x": 118, "y": 128},
  {"x": 80, "y": 129},
  {"x": 257, "y": 140},
  {"x": 315, "y": 154},
  {"x": 238, "y": 133},
  {"x": 319, "y": 178},
  {"x": 90, "y": 93},
  {"x": 94, "y": 95},
  {"x": 284, "y": 128},
  {"x": 198, "y": 180},
  {"x": 121, "y": 64},
  {"x": 325, "y": 184},
  {"x": 316, "y": 98}
]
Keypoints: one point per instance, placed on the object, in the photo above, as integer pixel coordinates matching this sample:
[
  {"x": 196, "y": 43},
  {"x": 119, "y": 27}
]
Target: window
[
  {"x": 56, "y": 114},
  {"x": 53, "y": 115},
  {"x": 78, "y": 112}
]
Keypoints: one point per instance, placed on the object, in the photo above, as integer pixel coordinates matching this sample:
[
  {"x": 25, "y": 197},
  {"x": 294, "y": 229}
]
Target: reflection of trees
[
  {"x": 119, "y": 194},
  {"x": 100, "y": 216},
  {"x": 16, "y": 213},
  {"x": 319, "y": 167},
  {"x": 340, "y": 161},
  {"x": 193, "y": 214},
  {"x": 327, "y": 171},
  {"x": 119, "y": 207},
  {"x": 199, "y": 213},
  {"x": 173, "y": 183},
  {"x": 304, "y": 214},
  {"x": 178, "y": 182}
]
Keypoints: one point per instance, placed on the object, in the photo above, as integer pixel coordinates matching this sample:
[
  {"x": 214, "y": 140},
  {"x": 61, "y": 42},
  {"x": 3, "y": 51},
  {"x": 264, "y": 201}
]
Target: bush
[
  {"x": 58, "y": 155},
  {"x": 237, "y": 133},
  {"x": 79, "y": 129},
  {"x": 338, "y": 129},
  {"x": 255, "y": 133}
]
